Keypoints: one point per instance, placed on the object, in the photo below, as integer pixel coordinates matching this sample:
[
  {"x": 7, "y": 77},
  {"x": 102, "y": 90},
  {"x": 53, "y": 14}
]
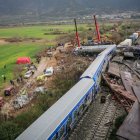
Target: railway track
[{"x": 97, "y": 122}]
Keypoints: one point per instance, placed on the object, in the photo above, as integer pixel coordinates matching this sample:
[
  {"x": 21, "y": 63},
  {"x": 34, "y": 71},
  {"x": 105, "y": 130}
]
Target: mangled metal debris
[
  {"x": 128, "y": 55},
  {"x": 130, "y": 129},
  {"x": 117, "y": 59},
  {"x": 127, "y": 81},
  {"x": 123, "y": 96},
  {"x": 114, "y": 69},
  {"x": 136, "y": 90}
]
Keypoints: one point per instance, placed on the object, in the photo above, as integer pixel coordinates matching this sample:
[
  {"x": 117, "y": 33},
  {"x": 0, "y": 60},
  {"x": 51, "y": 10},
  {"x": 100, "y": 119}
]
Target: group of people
[{"x": 19, "y": 79}]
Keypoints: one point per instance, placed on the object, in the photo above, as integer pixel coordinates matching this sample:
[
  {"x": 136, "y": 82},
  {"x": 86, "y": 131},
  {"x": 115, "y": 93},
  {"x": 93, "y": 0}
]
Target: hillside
[
  {"x": 25, "y": 11},
  {"x": 58, "y": 7}
]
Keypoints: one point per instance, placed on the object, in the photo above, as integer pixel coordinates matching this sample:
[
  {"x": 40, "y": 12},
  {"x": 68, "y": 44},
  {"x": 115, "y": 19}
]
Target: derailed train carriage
[{"x": 61, "y": 118}]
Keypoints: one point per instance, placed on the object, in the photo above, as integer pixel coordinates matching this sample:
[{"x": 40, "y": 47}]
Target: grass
[
  {"x": 37, "y": 31},
  {"x": 9, "y": 130},
  {"x": 10, "y": 52}
]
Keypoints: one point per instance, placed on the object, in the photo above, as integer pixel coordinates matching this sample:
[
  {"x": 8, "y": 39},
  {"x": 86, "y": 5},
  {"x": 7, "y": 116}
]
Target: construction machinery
[
  {"x": 77, "y": 36},
  {"x": 41, "y": 80}
]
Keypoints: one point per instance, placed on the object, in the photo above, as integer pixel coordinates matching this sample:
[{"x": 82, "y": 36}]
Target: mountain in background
[
  {"x": 42, "y": 9},
  {"x": 58, "y": 7}
]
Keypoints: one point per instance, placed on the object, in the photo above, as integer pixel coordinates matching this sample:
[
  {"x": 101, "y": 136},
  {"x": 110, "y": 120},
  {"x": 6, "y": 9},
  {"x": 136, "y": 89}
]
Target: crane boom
[
  {"x": 97, "y": 29},
  {"x": 77, "y": 36}
]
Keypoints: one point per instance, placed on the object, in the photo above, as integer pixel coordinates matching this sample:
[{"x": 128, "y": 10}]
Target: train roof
[
  {"x": 95, "y": 46},
  {"x": 108, "y": 49},
  {"x": 91, "y": 70},
  {"x": 43, "y": 127}
]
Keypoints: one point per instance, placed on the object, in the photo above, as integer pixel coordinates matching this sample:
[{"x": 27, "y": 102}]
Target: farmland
[
  {"x": 10, "y": 51},
  {"x": 9, "y": 54},
  {"x": 37, "y": 31}
]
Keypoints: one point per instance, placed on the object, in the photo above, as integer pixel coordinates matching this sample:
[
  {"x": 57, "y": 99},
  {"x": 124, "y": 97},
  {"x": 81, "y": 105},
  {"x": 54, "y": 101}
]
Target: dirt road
[
  {"x": 42, "y": 65},
  {"x": 2, "y": 42}
]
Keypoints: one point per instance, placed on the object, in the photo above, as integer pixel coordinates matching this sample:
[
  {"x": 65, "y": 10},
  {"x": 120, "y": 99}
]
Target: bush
[{"x": 9, "y": 131}]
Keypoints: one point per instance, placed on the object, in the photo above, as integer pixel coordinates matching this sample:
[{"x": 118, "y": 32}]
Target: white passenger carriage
[
  {"x": 58, "y": 120},
  {"x": 99, "y": 65}
]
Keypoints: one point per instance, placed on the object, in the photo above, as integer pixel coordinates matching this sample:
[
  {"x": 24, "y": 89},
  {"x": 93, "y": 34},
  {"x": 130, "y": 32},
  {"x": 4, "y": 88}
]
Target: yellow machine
[{"x": 41, "y": 79}]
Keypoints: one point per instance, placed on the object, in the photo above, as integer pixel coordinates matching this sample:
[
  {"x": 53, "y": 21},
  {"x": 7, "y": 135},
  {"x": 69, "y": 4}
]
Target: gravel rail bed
[{"x": 97, "y": 122}]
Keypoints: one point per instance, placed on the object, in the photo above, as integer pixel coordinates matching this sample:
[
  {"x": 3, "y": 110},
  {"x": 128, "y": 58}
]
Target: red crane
[
  {"x": 97, "y": 29},
  {"x": 77, "y": 36}
]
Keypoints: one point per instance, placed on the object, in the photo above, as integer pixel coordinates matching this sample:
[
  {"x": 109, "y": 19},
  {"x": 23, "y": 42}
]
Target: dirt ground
[{"x": 3, "y": 42}]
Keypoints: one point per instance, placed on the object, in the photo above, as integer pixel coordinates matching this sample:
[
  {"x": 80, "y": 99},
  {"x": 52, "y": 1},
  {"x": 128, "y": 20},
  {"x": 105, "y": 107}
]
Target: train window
[
  {"x": 55, "y": 136},
  {"x": 69, "y": 121},
  {"x": 61, "y": 132},
  {"x": 89, "y": 96},
  {"x": 81, "y": 109},
  {"x": 75, "y": 114},
  {"x": 68, "y": 124}
]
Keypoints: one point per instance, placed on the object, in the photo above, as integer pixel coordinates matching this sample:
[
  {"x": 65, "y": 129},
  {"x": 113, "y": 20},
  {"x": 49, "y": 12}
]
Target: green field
[
  {"x": 38, "y": 31},
  {"x": 11, "y": 51},
  {"x": 9, "y": 54}
]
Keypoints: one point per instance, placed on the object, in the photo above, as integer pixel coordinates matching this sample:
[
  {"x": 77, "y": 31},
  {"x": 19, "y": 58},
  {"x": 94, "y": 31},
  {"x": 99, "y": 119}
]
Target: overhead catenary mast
[
  {"x": 97, "y": 29},
  {"x": 77, "y": 36}
]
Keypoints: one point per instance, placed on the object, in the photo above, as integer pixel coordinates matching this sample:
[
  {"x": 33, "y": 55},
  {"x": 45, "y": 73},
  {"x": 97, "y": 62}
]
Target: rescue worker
[
  {"x": 12, "y": 82},
  {"x": 4, "y": 78}
]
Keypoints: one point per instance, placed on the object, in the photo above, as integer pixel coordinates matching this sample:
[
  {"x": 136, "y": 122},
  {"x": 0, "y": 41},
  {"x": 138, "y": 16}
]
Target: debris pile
[{"x": 123, "y": 78}]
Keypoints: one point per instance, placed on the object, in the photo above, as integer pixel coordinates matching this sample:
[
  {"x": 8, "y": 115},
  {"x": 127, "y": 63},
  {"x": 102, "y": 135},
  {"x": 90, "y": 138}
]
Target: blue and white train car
[
  {"x": 98, "y": 65},
  {"x": 94, "y": 70},
  {"x": 59, "y": 119}
]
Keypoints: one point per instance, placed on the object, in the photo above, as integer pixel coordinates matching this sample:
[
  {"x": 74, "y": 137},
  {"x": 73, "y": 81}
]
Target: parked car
[
  {"x": 49, "y": 71},
  {"x": 28, "y": 74},
  {"x": 8, "y": 91}
]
